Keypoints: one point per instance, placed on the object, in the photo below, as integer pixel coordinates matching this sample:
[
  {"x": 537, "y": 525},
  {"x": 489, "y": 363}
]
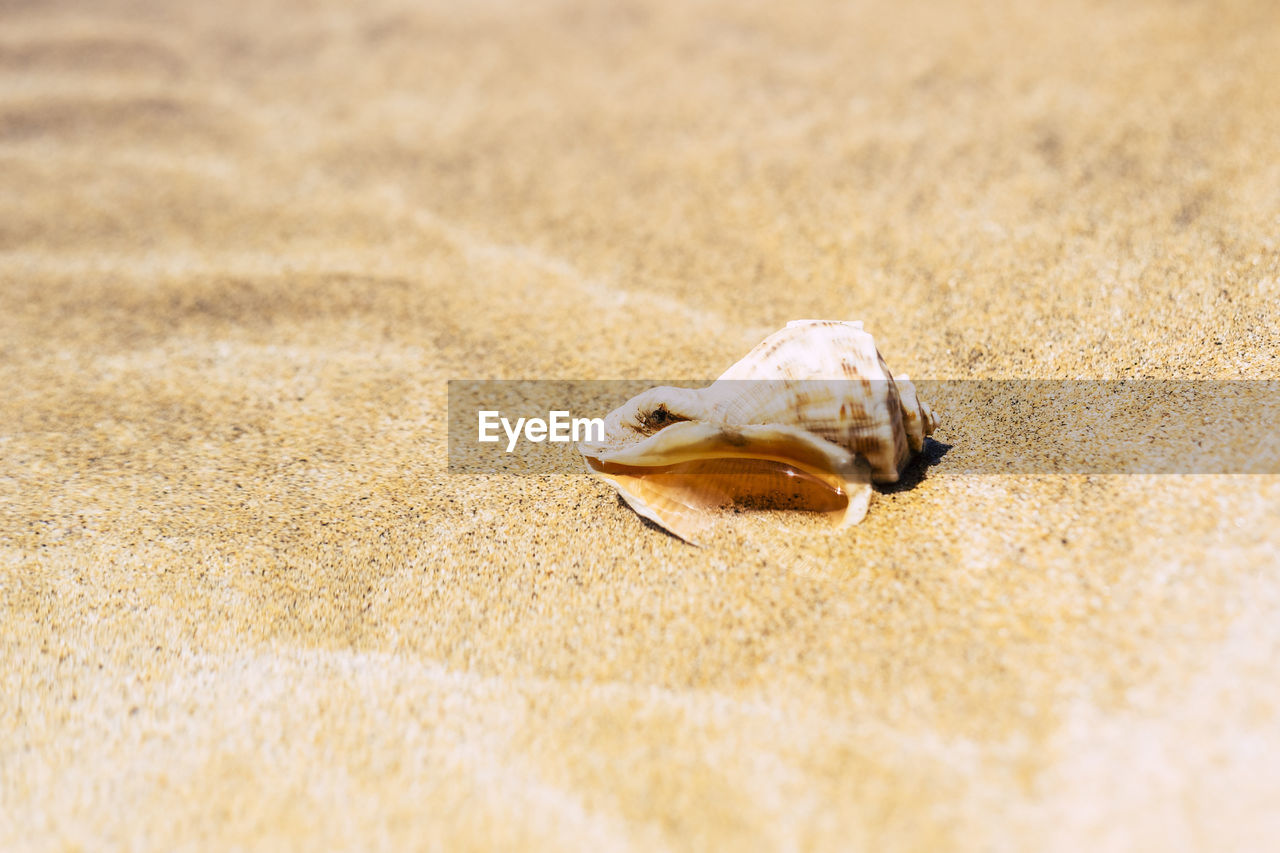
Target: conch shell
[{"x": 808, "y": 419}]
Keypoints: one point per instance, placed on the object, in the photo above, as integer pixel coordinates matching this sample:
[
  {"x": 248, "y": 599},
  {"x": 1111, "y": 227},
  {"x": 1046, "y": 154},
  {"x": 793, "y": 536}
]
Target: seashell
[{"x": 808, "y": 419}]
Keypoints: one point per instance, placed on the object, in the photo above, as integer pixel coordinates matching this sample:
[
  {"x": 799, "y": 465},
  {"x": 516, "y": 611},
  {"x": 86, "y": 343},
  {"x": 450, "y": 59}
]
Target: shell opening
[{"x": 690, "y": 475}]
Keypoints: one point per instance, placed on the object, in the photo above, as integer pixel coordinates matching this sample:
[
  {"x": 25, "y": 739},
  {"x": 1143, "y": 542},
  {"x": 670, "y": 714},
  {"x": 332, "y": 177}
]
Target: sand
[{"x": 244, "y": 245}]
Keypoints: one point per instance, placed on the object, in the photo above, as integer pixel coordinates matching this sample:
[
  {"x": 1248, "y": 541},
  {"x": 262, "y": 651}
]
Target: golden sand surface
[{"x": 244, "y": 245}]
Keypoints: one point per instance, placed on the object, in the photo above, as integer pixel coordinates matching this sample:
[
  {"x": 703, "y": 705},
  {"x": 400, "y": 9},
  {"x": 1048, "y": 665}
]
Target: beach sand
[{"x": 244, "y": 245}]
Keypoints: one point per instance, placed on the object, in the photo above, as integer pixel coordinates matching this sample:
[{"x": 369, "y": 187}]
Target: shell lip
[{"x": 688, "y": 440}]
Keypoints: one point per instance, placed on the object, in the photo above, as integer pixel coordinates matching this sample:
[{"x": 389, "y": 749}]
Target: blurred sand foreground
[{"x": 243, "y": 245}]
